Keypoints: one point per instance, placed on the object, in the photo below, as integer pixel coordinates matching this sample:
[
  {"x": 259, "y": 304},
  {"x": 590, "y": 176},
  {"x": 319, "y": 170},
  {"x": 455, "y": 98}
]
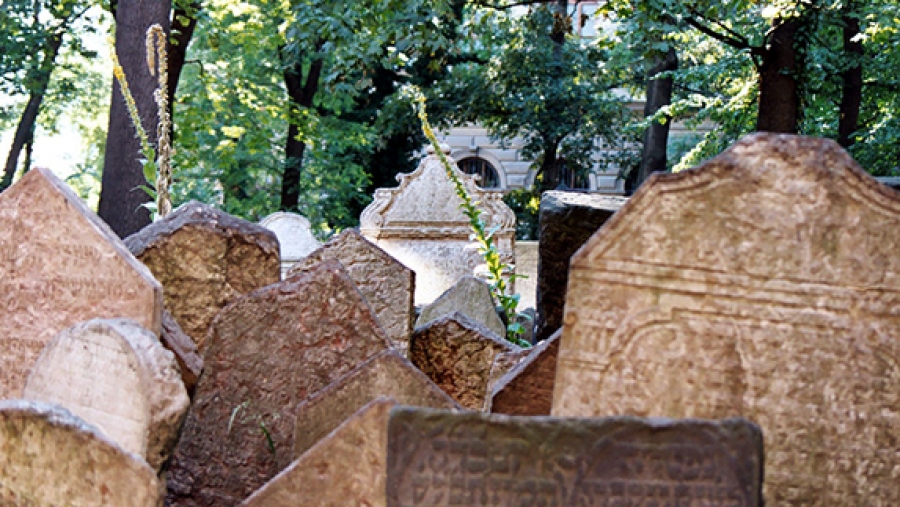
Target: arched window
[{"x": 482, "y": 168}]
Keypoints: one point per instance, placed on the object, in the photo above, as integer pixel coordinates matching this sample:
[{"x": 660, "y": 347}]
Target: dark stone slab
[{"x": 527, "y": 388}]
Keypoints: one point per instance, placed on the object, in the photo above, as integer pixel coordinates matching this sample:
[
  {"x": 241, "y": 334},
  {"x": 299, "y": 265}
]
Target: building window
[
  {"x": 488, "y": 177},
  {"x": 571, "y": 177}
]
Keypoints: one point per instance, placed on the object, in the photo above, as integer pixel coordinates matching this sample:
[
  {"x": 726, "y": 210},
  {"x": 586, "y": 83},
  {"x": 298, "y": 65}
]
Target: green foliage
[{"x": 526, "y": 204}]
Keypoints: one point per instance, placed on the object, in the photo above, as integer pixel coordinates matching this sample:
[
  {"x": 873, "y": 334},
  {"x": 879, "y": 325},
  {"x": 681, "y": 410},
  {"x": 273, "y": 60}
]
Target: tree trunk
[
  {"x": 549, "y": 170},
  {"x": 656, "y": 136},
  {"x": 852, "y": 78},
  {"x": 779, "y": 90},
  {"x": 179, "y": 40},
  {"x": 25, "y": 128},
  {"x": 300, "y": 94},
  {"x": 121, "y": 195}
]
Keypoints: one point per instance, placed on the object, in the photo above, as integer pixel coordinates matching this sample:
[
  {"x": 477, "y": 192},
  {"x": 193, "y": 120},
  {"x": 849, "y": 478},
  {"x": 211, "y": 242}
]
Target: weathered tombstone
[
  {"x": 527, "y": 388},
  {"x": 470, "y": 296},
  {"x": 295, "y": 237},
  {"x": 347, "y": 467},
  {"x": 115, "y": 375},
  {"x": 387, "y": 284},
  {"x": 420, "y": 224},
  {"x": 387, "y": 374},
  {"x": 205, "y": 258},
  {"x": 457, "y": 354},
  {"x": 190, "y": 364},
  {"x": 526, "y": 266},
  {"x": 60, "y": 265},
  {"x": 762, "y": 284},
  {"x": 48, "y": 456},
  {"x": 444, "y": 458},
  {"x": 268, "y": 351},
  {"x": 567, "y": 220}
]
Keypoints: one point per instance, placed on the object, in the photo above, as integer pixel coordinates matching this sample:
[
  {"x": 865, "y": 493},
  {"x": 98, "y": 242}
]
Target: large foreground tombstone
[
  {"x": 48, "y": 456},
  {"x": 205, "y": 258},
  {"x": 60, "y": 264},
  {"x": 295, "y": 237},
  {"x": 117, "y": 376},
  {"x": 443, "y": 458},
  {"x": 268, "y": 351},
  {"x": 420, "y": 223},
  {"x": 387, "y": 284},
  {"x": 763, "y": 284}
]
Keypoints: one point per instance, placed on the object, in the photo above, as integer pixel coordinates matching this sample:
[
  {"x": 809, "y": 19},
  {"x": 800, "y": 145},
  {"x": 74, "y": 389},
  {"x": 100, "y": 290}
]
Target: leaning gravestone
[
  {"x": 347, "y": 467},
  {"x": 60, "y": 265},
  {"x": 117, "y": 376},
  {"x": 48, "y": 456},
  {"x": 762, "y": 284},
  {"x": 205, "y": 259},
  {"x": 420, "y": 224},
  {"x": 444, "y": 458},
  {"x": 387, "y": 374},
  {"x": 295, "y": 237},
  {"x": 567, "y": 220},
  {"x": 190, "y": 364},
  {"x": 268, "y": 351},
  {"x": 470, "y": 296},
  {"x": 527, "y": 388},
  {"x": 457, "y": 353},
  {"x": 387, "y": 285}
]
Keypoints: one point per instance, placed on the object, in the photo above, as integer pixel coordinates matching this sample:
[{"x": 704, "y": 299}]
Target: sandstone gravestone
[
  {"x": 204, "y": 259},
  {"x": 115, "y": 375},
  {"x": 567, "y": 220},
  {"x": 269, "y": 350},
  {"x": 295, "y": 237},
  {"x": 420, "y": 224},
  {"x": 526, "y": 265},
  {"x": 50, "y": 457},
  {"x": 457, "y": 354},
  {"x": 763, "y": 284},
  {"x": 527, "y": 388},
  {"x": 190, "y": 363},
  {"x": 470, "y": 296},
  {"x": 347, "y": 467},
  {"x": 60, "y": 265},
  {"x": 387, "y": 285},
  {"x": 443, "y": 458},
  {"x": 387, "y": 374}
]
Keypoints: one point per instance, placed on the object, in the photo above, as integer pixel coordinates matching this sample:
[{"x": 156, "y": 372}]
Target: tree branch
[{"x": 503, "y": 7}]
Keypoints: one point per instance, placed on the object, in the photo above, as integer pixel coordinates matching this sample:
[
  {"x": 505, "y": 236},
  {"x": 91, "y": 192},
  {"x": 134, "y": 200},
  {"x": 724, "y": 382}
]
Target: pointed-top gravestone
[
  {"x": 420, "y": 223},
  {"x": 387, "y": 284},
  {"x": 295, "y": 237},
  {"x": 763, "y": 284},
  {"x": 269, "y": 350},
  {"x": 205, "y": 258},
  {"x": 48, "y": 456},
  {"x": 59, "y": 265},
  {"x": 527, "y": 388},
  {"x": 469, "y": 296}
]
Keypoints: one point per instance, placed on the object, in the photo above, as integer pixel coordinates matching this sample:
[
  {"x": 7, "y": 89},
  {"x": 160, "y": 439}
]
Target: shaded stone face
[
  {"x": 115, "y": 375},
  {"x": 60, "y": 265},
  {"x": 567, "y": 220},
  {"x": 470, "y": 296},
  {"x": 387, "y": 284},
  {"x": 527, "y": 388},
  {"x": 269, "y": 350},
  {"x": 190, "y": 364},
  {"x": 295, "y": 237},
  {"x": 347, "y": 467},
  {"x": 457, "y": 354},
  {"x": 762, "y": 285},
  {"x": 387, "y": 374},
  {"x": 48, "y": 456},
  {"x": 444, "y": 458},
  {"x": 205, "y": 259}
]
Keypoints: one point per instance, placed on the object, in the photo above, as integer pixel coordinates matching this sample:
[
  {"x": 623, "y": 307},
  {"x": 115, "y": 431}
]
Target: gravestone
[
  {"x": 457, "y": 353},
  {"x": 387, "y": 285},
  {"x": 347, "y": 467},
  {"x": 762, "y": 284},
  {"x": 48, "y": 456},
  {"x": 205, "y": 259},
  {"x": 115, "y": 375},
  {"x": 567, "y": 220},
  {"x": 387, "y": 374},
  {"x": 60, "y": 264},
  {"x": 295, "y": 237},
  {"x": 527, "y": 388},
  {"x": 269, "y": 350},
  {"x": 526, "y": 265},
  {"x": 470, "y": 296},
  {"x": 420, "y": 224},
  {"x": 190, "y": 364},
  {"x": 444, "y": 458}
]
